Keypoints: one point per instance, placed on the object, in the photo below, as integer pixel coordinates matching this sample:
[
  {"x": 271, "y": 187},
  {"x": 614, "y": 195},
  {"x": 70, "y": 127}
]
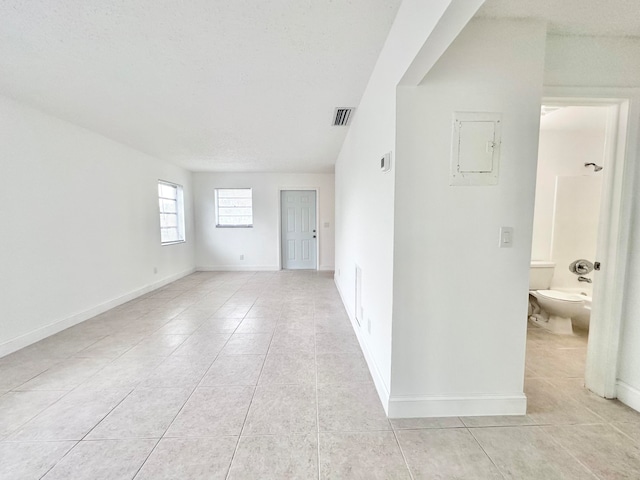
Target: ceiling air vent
[{"x": 342, "y": 116}]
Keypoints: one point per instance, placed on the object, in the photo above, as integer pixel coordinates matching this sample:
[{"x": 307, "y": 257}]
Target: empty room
[{"x": 319, "y": 239}]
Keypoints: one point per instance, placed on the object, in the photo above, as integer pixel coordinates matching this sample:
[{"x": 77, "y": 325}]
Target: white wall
[
  {"x": 460, "y": 302},
  {"x": 629, "y": 360},
  {"x": 568, "y": 194},
  {"x": 220, "y": 248},
  {"x": 575, "y": 228},
  {"x": 566, "y": 143},
  {"x": 598, "y": 64},
  {"x": 80, "y": 223},
  {"x": 365, "y": 196}
]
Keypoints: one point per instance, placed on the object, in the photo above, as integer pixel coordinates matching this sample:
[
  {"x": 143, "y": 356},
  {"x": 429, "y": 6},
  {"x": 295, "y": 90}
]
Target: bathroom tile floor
[{"x": 260, "y": 376}]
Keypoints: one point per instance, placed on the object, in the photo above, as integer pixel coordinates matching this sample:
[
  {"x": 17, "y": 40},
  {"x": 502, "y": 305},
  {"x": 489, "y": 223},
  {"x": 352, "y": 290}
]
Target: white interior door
[{"x": 299, "y": 237}]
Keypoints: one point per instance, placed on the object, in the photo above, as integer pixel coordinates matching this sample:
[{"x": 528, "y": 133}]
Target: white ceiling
[
  {"x": 226, "y": 85},
  {"x": 573, "y": 17},
  {"x": 212, "y": 85}
]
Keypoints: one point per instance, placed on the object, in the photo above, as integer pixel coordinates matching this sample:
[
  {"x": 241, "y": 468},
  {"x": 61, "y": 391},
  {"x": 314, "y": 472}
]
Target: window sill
[
  {"x": 234, "y": 226},
  {"x": 172, "y": 243}
]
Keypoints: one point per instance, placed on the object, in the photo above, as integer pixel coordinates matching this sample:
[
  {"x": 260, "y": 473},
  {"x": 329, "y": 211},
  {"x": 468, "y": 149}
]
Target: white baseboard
[
  {"x": 456, "y": 406},
  {"x": 34, "y": 336},
  {"x": 435, "y": 406},
  {"x": 628, "y": 395},
  {"x": 239, "y": 268},
  {"x": 252, "y": 268},
  {"x": 381, "y": 386}
]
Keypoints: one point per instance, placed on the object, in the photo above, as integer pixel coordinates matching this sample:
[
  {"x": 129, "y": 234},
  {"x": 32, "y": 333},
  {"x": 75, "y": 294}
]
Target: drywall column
[
  {"x": 365, "y": 195},
  {"x": 460, "y": 302}
]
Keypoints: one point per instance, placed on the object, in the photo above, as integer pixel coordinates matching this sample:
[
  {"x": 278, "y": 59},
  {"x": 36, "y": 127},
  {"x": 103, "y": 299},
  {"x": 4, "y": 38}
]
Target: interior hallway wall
[
  {"x": 81, "y": 226},
  {"x": 221, "y": 248},
  {"x": 365, "y": 195},
  {"x": 460, "y": 301}
]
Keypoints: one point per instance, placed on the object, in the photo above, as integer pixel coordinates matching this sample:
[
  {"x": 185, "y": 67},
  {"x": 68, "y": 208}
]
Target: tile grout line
[
  {"x": 179, "y": 410},
  {"x": 50, "y": 367},
  {"x": 255, "y": 387},
  {"x": 553, "y": 439},
  {"x": 85, "y": 435},
  {"x": 175, "y": 416},
  {"x": 77, "y": 387},
  {"x": 498, "y": 469},
  {"x": 5, "y": 439},
  {"x": 617, "y": 429},
  {"x": 315, "y": 362},
  {"x": 404, "y": 457},
  {"x": 61, "y": 458},
  {"x": 172, "y": 421},
  {"x": 147, "y": 457}
]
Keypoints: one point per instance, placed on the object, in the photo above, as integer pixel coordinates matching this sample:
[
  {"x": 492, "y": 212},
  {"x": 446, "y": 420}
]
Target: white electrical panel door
[{"x": 475, "y": 152}]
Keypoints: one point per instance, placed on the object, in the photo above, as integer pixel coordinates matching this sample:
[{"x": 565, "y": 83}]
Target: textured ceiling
[
  {"x": 234, "y": 85},
  {"x": 573, "y": 17}
]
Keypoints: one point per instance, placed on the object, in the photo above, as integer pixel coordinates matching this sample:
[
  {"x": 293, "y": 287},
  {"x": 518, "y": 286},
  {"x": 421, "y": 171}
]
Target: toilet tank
[{"x": 540, "y": 274}]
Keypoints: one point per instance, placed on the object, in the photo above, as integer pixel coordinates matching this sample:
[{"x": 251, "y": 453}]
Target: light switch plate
[{"x": 506, "y": 237}]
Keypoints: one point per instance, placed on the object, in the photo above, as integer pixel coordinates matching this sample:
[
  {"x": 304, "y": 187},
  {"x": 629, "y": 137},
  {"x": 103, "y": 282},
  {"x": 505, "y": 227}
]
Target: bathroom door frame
[{"x": 605, "y": 325}]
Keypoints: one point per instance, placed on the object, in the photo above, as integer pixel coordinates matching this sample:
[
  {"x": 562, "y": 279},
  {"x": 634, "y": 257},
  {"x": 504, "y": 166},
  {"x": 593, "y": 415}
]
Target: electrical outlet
[
  {"x": 155, "y": 270},
  {"x": 241, "y": 257},
  {"x": 369, "y": 325}
]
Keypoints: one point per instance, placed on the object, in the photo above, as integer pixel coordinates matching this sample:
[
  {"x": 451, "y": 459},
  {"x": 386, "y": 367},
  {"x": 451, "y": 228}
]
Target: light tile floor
[{"x": 260, "y": 376}]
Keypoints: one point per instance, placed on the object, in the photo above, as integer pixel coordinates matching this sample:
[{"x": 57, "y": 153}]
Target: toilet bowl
[
  {"x": 556, "y": 310},
  {"x": 551, "y": 309},
  {"x": 582, "y": 320}
]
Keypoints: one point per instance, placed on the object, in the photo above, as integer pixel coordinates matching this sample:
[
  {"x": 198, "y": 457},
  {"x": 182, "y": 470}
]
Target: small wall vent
[
  {"x": 359, "y": 312},
  {"x": 342, "y": 116}
]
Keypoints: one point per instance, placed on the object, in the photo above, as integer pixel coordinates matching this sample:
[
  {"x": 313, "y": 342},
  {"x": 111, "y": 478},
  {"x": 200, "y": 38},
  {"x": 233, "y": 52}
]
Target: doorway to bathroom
[{"x": 579, "y": 233}]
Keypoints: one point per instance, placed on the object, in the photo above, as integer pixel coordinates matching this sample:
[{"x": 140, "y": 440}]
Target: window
[
  {"x": 234, "y": 207},
  {"x": 171, "y": 202}
]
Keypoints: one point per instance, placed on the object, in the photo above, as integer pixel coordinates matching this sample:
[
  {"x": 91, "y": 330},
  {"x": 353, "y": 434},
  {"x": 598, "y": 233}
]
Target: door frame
[
  {"x": 317, "y": 226},
  {"x": 605, "y": 325}
]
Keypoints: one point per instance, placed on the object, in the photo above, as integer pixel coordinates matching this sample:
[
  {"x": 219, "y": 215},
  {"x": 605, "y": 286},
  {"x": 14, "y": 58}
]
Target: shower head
[{"x": 596, "y": 168}]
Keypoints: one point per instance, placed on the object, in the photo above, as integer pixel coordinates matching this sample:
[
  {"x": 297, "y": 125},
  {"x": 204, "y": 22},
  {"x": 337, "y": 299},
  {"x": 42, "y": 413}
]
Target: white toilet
[{"x": 554, "y": 309}]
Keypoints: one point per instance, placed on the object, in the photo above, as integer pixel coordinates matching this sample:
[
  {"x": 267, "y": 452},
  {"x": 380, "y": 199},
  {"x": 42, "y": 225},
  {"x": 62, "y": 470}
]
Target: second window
[{"x": 234, "y": 207}]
